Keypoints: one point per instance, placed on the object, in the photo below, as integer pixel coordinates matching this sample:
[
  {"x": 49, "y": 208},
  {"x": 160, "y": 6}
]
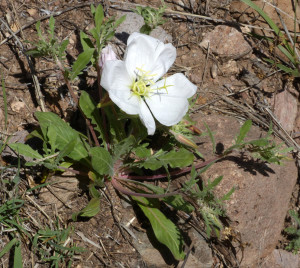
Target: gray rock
[
  {"x": 201, "y": 255},
  {"x": 226, "y": 42},
  {"x": 133, "y": 23},
  {"x": 281, "y": 259},
  {"x": 258, "y": 207}
]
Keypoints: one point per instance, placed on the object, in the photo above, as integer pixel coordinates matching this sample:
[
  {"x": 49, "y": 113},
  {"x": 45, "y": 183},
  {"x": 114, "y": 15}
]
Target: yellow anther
[{"x": 141, "y": 87}]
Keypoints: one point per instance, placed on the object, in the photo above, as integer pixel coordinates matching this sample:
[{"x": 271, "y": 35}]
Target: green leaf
[
  {"x": 119, "y": 21},
  {"x": 123, "y": 147},
  {"x": 271, "y": 23},
  {"x": 92, "y": 209},
  {"x": 164, "y": 229},
  {"x": 99, "y": 15},
  {"x": 176, "y": 201},
  {"x": 51, "y": 27},
  {"x": 18, "y": 256},
  {"x": 287, "y": 54},
  {"x": 85, "y": 41},
  {"x": 145, "y": 29},
  {"x": 212, "y": 138},
  {"x": 244, "y": 131},
  {"x": 91, "y": 111},
  {"x": 8, "y": 247},
  {"x": 83, "y": 59},
  {"x": 25, "y": 150},
  {"x": 64, "y": 134},
  {"x": 102, "y": 161},
  {"x": 179, "y": 159},
  {"x": 142, "y": 151},
  {"x": 66, "y": 151}
]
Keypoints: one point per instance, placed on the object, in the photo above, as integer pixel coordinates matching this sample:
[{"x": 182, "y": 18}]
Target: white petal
[
  {"x": 163, "y": 61},
  {"x": 117, "y": 81},
  {"x": 147, "y": 118},
  {"x": 177, "y": 86},
  {"x": 149, "y": 54},
  {"x": 126, "y": 102},
  {"x": 168, "y": 107}
]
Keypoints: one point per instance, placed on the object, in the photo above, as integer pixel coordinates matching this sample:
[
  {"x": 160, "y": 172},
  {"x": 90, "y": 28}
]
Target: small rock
[
  {"x": 160, "y": 34},
  {"x": 133, "y": 23},
  {"x": 202, "y": 255},
  {"x": 32, "y": 12},
  {"x": 285, "y": 109},
  {"x": 281, "y": 259},
  {"x": 229, "y": 68},
  {"x": 62, "y": 191},
  {"x": 226, "y": 42},
  {"x": 17, "y": 106}
]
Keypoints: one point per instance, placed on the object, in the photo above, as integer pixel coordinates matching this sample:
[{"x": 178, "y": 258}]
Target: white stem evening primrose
[{"x": 135, "y": 84}]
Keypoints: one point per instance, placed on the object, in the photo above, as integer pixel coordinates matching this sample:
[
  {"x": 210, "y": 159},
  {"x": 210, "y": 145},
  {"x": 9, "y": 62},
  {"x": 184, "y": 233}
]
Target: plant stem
[
  {"x": 173, "y": 173},
  {"x": 102, "y": 110},
  {"x": 123, "y": 190}
]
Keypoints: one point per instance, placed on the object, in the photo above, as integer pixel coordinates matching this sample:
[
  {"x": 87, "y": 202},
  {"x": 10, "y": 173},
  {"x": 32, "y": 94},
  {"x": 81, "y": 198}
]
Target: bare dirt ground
[{"x": 106, "y": 242}]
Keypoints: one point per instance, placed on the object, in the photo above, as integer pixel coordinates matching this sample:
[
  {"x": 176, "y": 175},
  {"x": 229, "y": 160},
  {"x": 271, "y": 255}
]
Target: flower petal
[
  {"x": 149, "y": 54},
  {"x": 167, "y": 110},
  {"x": 169, "y": 106},
  {"x": 147, "y": 118},
  {"x": 177, "y": 86},
  {"x": 163, "y": 61},
  {"x": 116, "y": 81}
]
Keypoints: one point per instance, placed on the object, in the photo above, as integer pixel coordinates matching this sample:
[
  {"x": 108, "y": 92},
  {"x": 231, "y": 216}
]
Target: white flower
[{"x": 134, "y": 85}]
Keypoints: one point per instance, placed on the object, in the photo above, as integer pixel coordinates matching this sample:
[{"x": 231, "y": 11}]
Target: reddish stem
[
  {"x": 102, "y": 110},
  {"x": 172, "y": 173}
]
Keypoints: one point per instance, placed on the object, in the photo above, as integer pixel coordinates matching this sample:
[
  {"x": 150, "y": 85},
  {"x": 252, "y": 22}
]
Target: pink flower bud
[{"x": 107, "y": 53}]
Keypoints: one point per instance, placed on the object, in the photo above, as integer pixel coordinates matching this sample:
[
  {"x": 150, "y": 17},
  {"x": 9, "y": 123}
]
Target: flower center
[{"x": 141, "y": 87}]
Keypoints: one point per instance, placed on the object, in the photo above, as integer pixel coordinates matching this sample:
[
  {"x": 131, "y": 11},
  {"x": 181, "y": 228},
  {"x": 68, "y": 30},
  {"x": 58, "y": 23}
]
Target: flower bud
[
  {"x": 107, "y": 53},
  {"x": 184, "y": 140}
]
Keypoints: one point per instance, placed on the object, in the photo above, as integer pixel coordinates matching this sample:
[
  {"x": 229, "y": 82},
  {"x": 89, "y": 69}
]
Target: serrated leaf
[
  {"x": 123, "y": 147},
  {"x": 176, "y": 201},
  {"x": 177, "y": 159},
  {"x": 83, "y": 59},
  {"x": 102, "y": 161},
  {"x": 214, "y": 183},
  {"x": 142, "y": 151},
  {"x": 25, "y": 150},
  {"x": 244, "y": 131},
  {"x": 51, "y": 26},
  {"x": 164, "y": 229},
  {"x": 92, "y": 209}
]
